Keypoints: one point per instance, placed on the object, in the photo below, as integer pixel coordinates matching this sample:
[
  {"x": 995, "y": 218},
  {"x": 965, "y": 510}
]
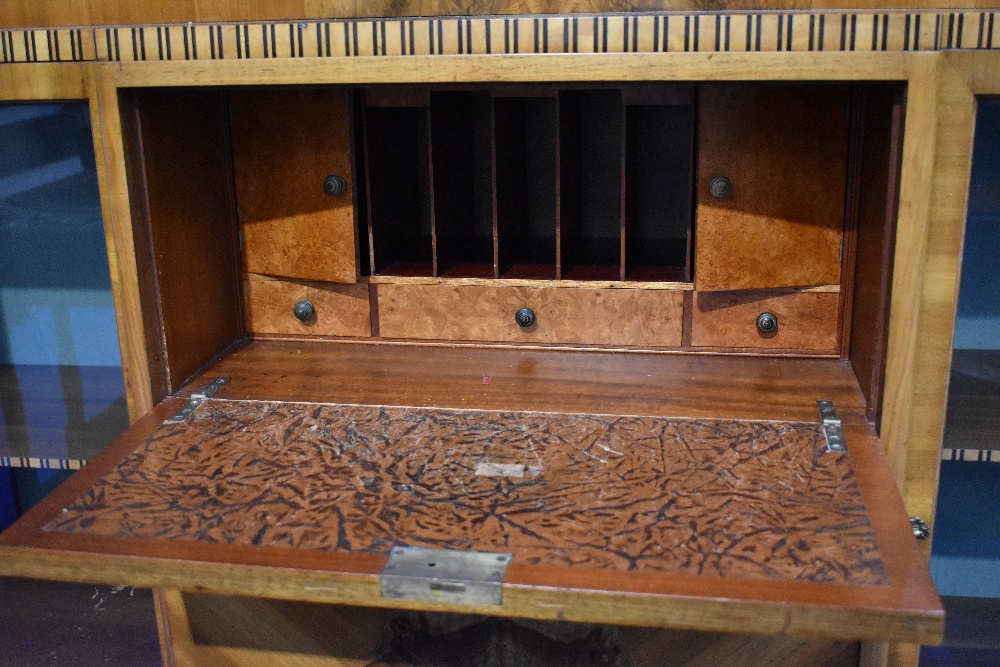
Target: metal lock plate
[
  {"x": 196, "y": 399},
  {"x": 444, "y": 575},
  {"x": 832, "y": 428}
]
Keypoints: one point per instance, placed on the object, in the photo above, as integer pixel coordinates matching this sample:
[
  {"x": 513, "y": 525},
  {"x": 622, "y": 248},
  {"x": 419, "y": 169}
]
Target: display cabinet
[{"x": 637, "y": 331}]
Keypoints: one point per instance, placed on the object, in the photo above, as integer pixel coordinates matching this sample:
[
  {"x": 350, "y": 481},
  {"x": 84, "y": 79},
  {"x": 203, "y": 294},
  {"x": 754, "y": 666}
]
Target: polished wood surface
[
  {"x": 186, "y": 199},
  {"x": 806, "y": 320},
  {"x": 138, "y": 341},
  {"x": 878, "y": 197},
  {"x": 906, "y": 608},
  {"x": 23, "y": 83},
  {"x": 785, "y": 154},
  {"x": 341, "y": 310},
  {"x": 285, "y": 143},
  {"x": 563, "y": 315},
  {"x": 601, "y": 382}
]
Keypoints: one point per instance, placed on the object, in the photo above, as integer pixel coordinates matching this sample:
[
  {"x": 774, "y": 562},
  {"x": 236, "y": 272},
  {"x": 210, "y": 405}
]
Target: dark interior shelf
[
  {"x": 399, "y": 189},
  {"x": 577, "y": 184}
]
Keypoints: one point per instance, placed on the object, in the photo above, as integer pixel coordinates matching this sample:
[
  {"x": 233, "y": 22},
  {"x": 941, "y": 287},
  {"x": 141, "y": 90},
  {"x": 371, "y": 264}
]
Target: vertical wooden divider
[
  {"x": 436, "y": 268},
  {"x": 493, "y": 188},
  {"x": 692, "y": 232},
  {"x": 624, "y": 184},
  {"x": 559, "y": 249},
  {"x": 368, "y": 191},
  {"x": 852, "y": 208}
]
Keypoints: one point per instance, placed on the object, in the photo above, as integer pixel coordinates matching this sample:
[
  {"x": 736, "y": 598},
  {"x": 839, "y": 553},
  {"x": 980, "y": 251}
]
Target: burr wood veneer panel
[
  {"x": 721, "y": 497},
  {"x": 784, "y": 149},
  {"x": 341, "y": 310},
  {"x": 563, "y": 315},
  {"x": 806, "y": 320},
  {"x": 285, "y": 143}
]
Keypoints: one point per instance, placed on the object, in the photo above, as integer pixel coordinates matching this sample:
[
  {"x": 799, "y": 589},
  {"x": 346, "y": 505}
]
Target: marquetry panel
[
  {"x": 563, "y": 315},
  {"x": 608, "y": 492},
  {"x": 341, "y": 310},
  {"x": 646, "y": 32},
  {"x": 52, "y": 45}
]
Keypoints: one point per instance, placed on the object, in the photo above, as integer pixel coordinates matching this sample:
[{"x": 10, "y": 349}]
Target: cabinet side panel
[
  {"x": 189, "y": 202},
  {"x": 882, "y": 126},
  {"x": 285, "y": 143},
  {"x": 784, "y": 150}
]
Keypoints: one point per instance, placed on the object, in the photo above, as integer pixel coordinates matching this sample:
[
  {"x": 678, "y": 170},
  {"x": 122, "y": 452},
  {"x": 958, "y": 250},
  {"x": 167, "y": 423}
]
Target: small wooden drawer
[
  {"x": 340, "y": 310},
  {"x": 571, "y": 315},
  {"x": 805, "y": 320}
]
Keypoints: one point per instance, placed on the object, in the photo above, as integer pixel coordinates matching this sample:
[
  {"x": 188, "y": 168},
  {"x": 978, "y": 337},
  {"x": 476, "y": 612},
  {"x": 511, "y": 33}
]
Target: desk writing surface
[{"x": 732, "y": 523}]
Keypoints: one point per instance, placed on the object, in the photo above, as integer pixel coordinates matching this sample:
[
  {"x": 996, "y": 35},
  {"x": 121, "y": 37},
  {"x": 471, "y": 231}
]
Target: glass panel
[
  {"x": 62, "y": 396},
  {"x": 966, "y": 557}
]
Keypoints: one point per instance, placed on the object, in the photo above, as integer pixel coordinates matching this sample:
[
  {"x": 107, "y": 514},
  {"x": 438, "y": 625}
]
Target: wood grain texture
[
  {"x": 341, "y": 310},
  {"x": 563, "y": 315},
  {"x": 285, "y": 143},
  {"x": 724, "y": 498},
  {"x": 878, "y": 198},
  {"x": 22, "y": 83},
  {"x": 140, "y": 349},
  {"x": 785, "y": 153},
  {"x": 906, "y": 609},
  {"x": 667, "y": 385},
  {"x": 189, "y": 212},
  {"x": 933, "y": 192},
  {"x": 806, "y": 320}
]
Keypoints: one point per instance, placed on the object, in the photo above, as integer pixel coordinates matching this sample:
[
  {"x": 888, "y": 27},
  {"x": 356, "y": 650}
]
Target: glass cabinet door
[{"x": 62, "y": 396}]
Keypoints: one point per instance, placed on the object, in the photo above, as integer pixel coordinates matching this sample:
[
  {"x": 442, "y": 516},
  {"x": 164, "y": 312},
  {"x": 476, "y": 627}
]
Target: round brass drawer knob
[
  {"x": 767, "y": 323},
  {"x": 524, "y": 317},
  {"x": 303, "y": 311}
]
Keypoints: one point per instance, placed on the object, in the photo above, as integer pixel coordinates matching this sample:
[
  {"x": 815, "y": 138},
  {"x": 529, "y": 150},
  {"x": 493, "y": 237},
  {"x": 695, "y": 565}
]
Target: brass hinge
[
  {"x": 832, "y": 428},
  {"x": 445, "y": 575},
  {"x": 196, "y": 399}
]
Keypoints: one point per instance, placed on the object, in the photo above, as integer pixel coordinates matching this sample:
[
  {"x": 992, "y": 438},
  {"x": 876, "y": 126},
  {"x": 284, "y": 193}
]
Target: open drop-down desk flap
[{"x": 653, "y": 490}]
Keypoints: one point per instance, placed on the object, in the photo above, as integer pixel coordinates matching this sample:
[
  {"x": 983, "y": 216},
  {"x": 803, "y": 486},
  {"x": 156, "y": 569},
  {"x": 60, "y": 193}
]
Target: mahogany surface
[
  {"x": 546, "y": 380},
  {"x": 899, "y": 605},
  {"x": 882, "y": 129},
  {"x": 187, "y": 179}
]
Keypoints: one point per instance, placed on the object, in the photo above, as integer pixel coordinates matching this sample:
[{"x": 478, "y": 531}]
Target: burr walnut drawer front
[
  {"x": 766, "y": 319},
  {"x": 289, "y": 307},
  {"x": 570, "y": 315}
]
